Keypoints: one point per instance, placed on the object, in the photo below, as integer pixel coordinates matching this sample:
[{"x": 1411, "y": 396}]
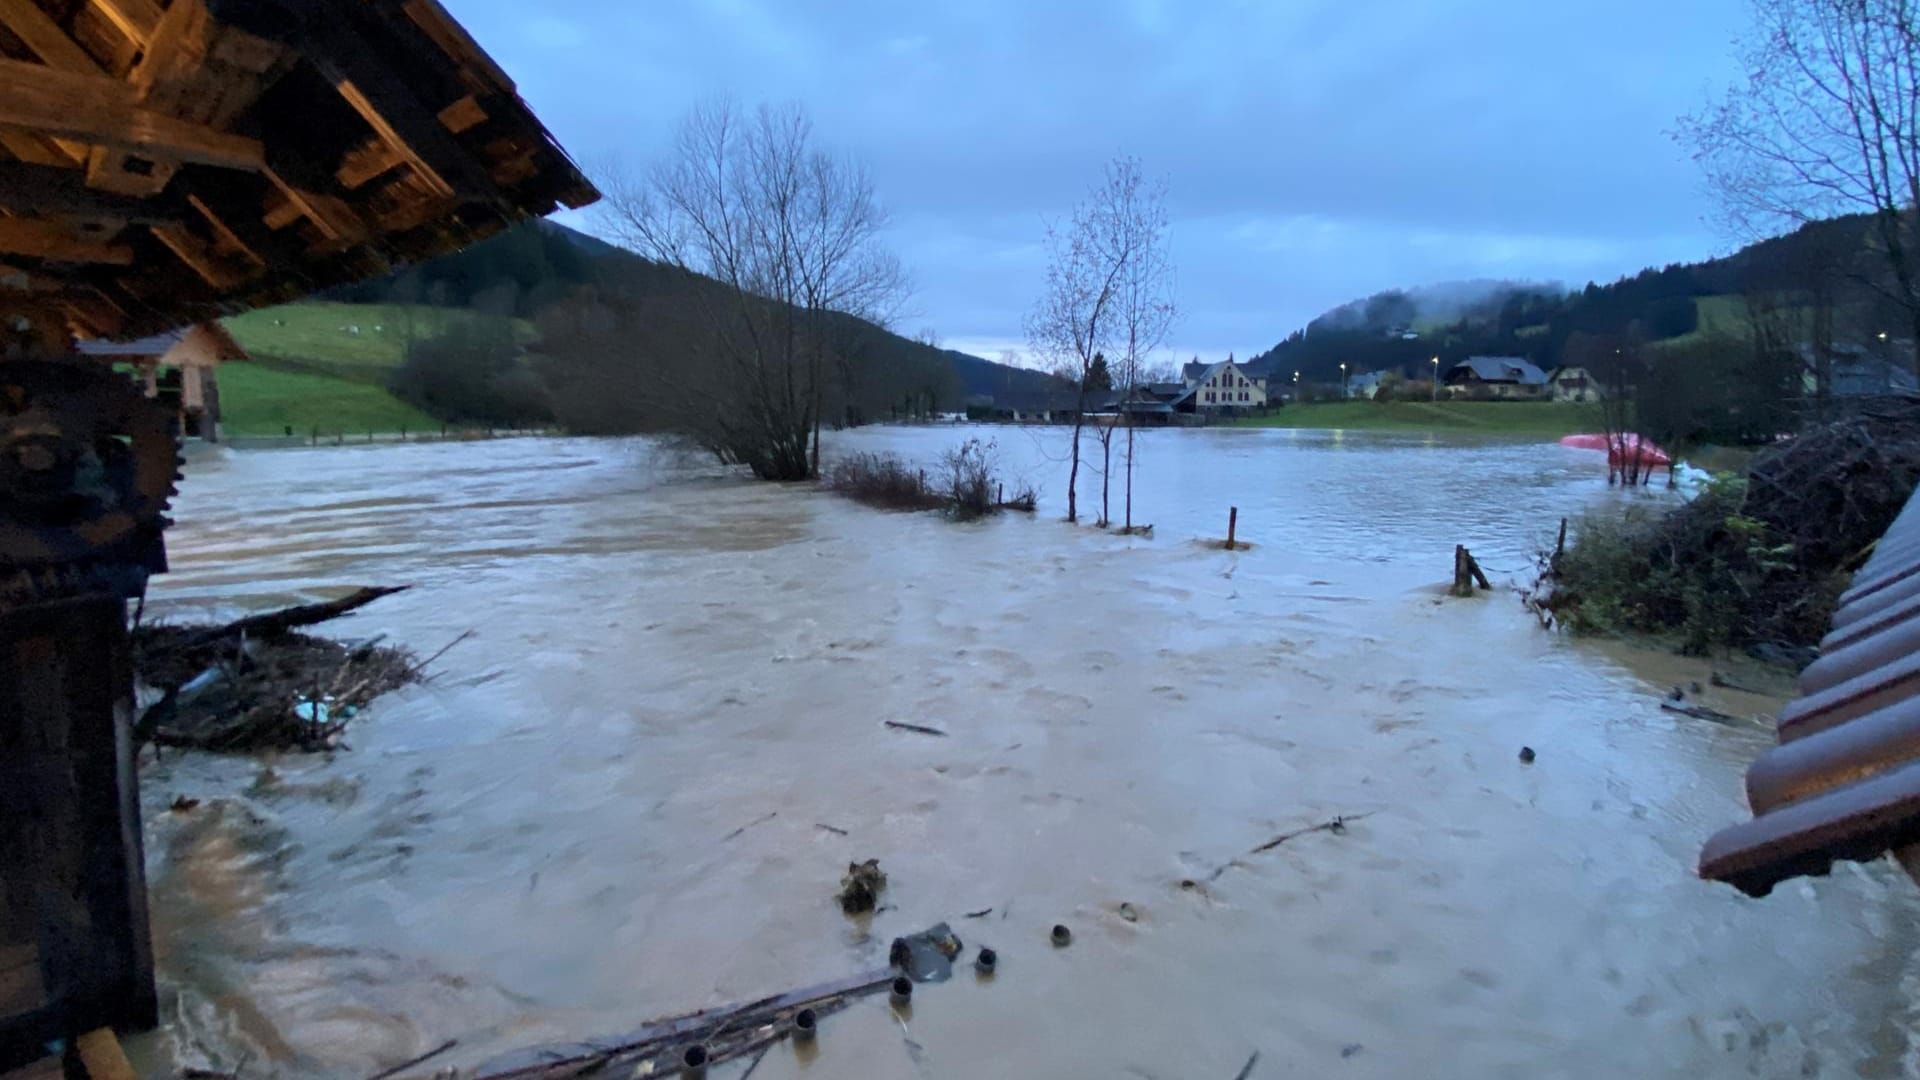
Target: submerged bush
[
  {"x": 966, "y": 486},
  {"x": 881, "y": 480},
  {"x": 1755, "y": 560},
  {"x": 1703, "y": 572}
]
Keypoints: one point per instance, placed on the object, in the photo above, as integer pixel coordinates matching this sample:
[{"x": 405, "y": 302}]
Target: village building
[
  {"x": 178, "y": 368},
  {"x": 1574, "y": 384},
  {"x": 1497, "y": 376}
]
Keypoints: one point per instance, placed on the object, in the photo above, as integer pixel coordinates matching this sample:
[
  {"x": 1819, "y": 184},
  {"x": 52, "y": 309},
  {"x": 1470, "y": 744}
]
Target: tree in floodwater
[
  {"x": 793, "y": 235},
  {"x": 1147, "y": 307},
  {"x": 1827, "y": 123},
  {"x": 1080, "y": 318},
  {"x": 1618, "y": 368}
]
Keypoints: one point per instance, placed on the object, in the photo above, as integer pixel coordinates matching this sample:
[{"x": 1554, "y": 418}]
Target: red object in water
[{"x": 1621, "y": 448}]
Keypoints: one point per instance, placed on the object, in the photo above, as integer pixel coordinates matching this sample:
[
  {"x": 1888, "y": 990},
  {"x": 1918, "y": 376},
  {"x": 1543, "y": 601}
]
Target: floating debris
[
  {"x": 928, "y": 955},
  {"x": 1062, "y": 937},
  {"x": 1526, "y": 755},
  {"x": 902, "y": 725},
  {"x": 860, "y": 889}
]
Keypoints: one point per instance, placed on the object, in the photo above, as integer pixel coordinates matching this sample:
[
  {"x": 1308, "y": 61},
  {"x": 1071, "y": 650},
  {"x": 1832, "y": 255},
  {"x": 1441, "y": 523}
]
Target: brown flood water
[{"x": 541, "y": 844}]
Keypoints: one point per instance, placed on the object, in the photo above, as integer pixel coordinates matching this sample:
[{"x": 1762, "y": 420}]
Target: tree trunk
[
  {"x": 1129, "y": 492},
  {"x": 1106, "y": 475},
  {"x": 1073, "y": 475}
]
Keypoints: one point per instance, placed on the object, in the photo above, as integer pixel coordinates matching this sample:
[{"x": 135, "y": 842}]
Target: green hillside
[
  {"x": 352, "y": 341},
  {"x": 257, "y": 400},
  {"x": 311, "y": 369}
]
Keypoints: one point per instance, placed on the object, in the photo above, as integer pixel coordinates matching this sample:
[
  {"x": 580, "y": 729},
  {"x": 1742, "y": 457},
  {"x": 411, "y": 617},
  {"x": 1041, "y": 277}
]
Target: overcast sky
[{"x": 1316, "y": 150}]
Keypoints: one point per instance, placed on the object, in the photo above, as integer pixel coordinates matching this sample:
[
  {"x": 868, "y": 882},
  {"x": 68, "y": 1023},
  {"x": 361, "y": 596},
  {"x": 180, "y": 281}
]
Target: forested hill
[
  {"x": 537, "y": 269},
  {"x": 1826, "y": 265}
]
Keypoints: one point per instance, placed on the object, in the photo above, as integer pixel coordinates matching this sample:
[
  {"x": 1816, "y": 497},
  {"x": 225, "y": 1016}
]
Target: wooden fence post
[
  {"x": 1233, "y": 523},
  {"x": 1467, "y": 572}
]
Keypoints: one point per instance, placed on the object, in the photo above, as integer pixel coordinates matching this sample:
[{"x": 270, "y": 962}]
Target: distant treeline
[{"x": 1828, "y": 266}]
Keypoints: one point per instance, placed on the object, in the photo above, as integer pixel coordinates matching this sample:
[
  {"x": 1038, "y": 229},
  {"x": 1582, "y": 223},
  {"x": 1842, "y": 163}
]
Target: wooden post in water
[
  {"x": 1233, "y": 523},
  {"x": 1467, "y": 572}
]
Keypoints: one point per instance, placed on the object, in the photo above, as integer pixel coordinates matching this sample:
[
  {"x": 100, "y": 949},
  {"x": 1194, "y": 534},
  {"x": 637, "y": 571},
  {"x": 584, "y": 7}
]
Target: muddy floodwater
[{"x": 614, "y": 801}]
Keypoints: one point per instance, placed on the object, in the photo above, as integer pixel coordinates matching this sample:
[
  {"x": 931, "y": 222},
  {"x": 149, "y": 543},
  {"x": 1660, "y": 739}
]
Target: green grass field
[
  {"x": 318, "y": 336},
  {"x": 257, "y": 400},
  {"x": 1543, "y": 418},
  {"x": 311, "y": 370}
]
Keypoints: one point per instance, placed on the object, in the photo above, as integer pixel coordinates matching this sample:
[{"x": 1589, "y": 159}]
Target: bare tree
[
  {"x": 1079, "y": 318},
  {"x": 1827, "y": 123},
  {"x": 1147, "y": 307},
  {"x": 793, "y": 233}
]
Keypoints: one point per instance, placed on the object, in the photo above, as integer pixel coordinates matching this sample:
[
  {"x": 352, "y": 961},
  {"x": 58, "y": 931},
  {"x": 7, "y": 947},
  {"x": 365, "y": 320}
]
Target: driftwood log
[{"x": 285, "y": 619}]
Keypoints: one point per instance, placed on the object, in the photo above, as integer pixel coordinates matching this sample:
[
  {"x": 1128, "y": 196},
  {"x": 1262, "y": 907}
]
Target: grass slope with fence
[
  {"x": 1541, "y": 418},
  {"x": 324, "y": 366}
]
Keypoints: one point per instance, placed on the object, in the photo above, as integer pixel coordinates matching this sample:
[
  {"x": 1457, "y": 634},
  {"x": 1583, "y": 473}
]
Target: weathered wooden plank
[
  {"x": 454, "y": 40},
  {"x": 50, "y": 240},
  {"x": 104, "y": 110},
  {"x": 45, "y": 37},
  {"x": 35, "y": 150},
  {"x": 200, "y": 257},
  {"x": 391, "y": 136},
  {"x": 134, "y": 18},
  {"x": 336, "y": 220},
  {"x": 69, "y": 815},
  {"x": 125, "y": 173},
  {"x": 226, "y": 237},
  {"x": 463, "y": 115},
  {"x": 101, "y": 1055},
  {"x": 55, "y": 192},
  {"x": 367, "y": 162},
  {"x": 54, "y": 47}
]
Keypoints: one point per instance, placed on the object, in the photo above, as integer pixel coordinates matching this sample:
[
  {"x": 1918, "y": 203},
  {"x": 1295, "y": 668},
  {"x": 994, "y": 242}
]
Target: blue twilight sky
[{"x": 1316, "y": 150}]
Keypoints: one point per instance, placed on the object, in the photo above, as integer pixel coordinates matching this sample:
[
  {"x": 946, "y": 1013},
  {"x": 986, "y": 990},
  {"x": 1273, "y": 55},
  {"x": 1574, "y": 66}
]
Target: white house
[
  {"x": 1225, "y": 385},
  {"x": 1574, "y": 384}
]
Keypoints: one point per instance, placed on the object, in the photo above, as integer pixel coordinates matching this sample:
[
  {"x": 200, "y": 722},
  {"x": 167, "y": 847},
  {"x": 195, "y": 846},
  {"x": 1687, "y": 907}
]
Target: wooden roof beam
[
  {"x": 227, "y": 238},
  {"x": 200, "y": 256},
  {"x": 53, "y": 192},
  {"x": 35, "y": 150},
  {"x": 399, "y": 118},
  {"x": 388, "y": 134},
  {"x": 45, "y": 37},
  {"x": 50, "y": 240},
  {"x": 99, "y": 109},
  {"x": 48, "y": 41},
  {"x": 134, "y": 18}
]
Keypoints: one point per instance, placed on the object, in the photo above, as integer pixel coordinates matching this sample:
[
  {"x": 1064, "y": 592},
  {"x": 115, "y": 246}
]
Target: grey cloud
[{"x": 1316, "y": 149}]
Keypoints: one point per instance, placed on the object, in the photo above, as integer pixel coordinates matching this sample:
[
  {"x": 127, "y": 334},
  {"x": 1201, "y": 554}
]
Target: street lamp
[
  {"x": 1296, "y": 387},
  {"x": 1436, "y": 378},
  {"x": 1346, "y": 388}
]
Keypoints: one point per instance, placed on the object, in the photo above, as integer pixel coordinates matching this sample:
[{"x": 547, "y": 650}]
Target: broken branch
[{"x": 279, "y": 622}]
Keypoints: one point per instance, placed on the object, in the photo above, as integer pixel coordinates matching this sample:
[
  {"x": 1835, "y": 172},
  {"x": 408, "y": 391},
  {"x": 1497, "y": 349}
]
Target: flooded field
[{"x": 610, "y": 804}]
